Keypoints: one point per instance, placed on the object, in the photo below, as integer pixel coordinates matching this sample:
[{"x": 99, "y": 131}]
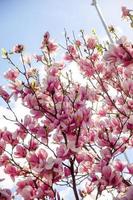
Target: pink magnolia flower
[
  {"x": 16, "y": 87},
  {"x": 38, "y": 160},
  {"x": 129, "y": 194},
  {"x": 87, "y": 67},
  {"x": 10, "y": 138},
  {"x": 20, "y": 151},
  {"x": 84, "y": 157},
  {"x": 91, "y": 43},
  {"x": 52, "y": 84},
  {"x": 46, "y": 36},
  {"x": 47, "y": 44},
  {"x": 130, "y": 123},
  {"x": 7, "y": 136},
  {"x": 4, "y": 94},
  {"x": 27, "y": 59},
  {"x": 32, "y": 145},
  {"x": 102, "y": 112},
  {"x": 118, "y": 54},
  {"x": 119, "y": 165},
  {"x": 18, "y": 48},
  {"x": 106, "y": 172},
  {"x": 68, "y": 57},
  {"x": 11, "y": 170},
  {"x": 78, "y": 43},
  {"x": 52, "y": 47},
  {"x": 125, "y": 11},
  {"x": 55, "y": 69},
  {"x": 4, "y": 159},
  {"x": 30, "y": 101},
  {"x": 44, "y": 190},
  {"x": 2, "y": 146},
  {"x": 38, "y": 58},
  {"x": 130, "y": 168},
  {"x": 67, "y": 172},
  {"x": 31, "y": 72},
  {"x": 113, "y": 178},
  {"x": 63, "y": 152},
  {"x": 106, "y": 154},
  {"x": 11, "y": 74},
  {"x": 71, "y": 53},
  {"x": 128, "y": 86},
  {"x": 26, "y": 188},
  {"x": 5, "y": 194},
  {"x": 71, "y": 50},
  {"x": 26, "y": 192}
]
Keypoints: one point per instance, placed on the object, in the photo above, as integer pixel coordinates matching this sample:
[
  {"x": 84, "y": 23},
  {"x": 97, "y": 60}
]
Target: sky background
[{"x": 25, "y": 22}]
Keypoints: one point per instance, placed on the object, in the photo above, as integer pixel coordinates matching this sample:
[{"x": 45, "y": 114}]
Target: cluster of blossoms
[{"x": 73, "y": 134}]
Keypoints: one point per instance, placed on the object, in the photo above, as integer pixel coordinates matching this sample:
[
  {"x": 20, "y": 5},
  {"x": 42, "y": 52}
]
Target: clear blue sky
[{"x": 25, "y": 21}]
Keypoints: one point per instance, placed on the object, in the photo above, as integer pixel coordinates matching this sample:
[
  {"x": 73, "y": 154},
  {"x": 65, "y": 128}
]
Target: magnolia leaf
[
  {"x": 4, "y": 53},
  {"x": 99, "y": 48},
  {"x": 93, "y": 31}
]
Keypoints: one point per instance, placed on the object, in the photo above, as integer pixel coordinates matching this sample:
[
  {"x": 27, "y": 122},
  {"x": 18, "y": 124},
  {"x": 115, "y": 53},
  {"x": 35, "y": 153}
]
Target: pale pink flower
[
  {"x": 2, "y": 146},
  {"x": 68, "y": 57},
  {"x": 39, "y": 58},
  {"x": 91, "y": 43},
  {"x": 27, "y": 59},
  {"x": 4, "y": 159},
  {"x": 32, "y": 145},
  {"x": 130, "y": 168},
  {"x": 7, "y": 137},
  {"x": 20, "y": 151},
  {"x": 106, "y": 172},
  {"x": 18, "y": 48},
  {"x": 31, "y": 72},
  {"x": 25, "y": 189},
  {"x": 52, "y": 47},
  {"x": 46, "y": 36},
  {"x": 16, "y": 87},
  {"x": 128, "y": 86},
  {"x": 11, "y": 74},
  {"x": 119, "y": 165},
  {"x": 63, "y": 152},
  {"x": 67, "y": 171},
  {"x": 78, "y": 43},
  {"x": 47, "y": 44},
  {"x": 118, "y": 54},
  {"x": 71, "y": 50},
  {"x": 38, "y": 160},
  {"x": 102, "y": 112},
  {"x": 129, "y": 194},
  {"x": 5, "y": 194},
  {"x": 106, "y": 154},
  {"x": 4, "y": 94},
  {"x": 87, "y": 67},
  {"x": 11, "y": 170},
  {"x": 125, "y": 11}
]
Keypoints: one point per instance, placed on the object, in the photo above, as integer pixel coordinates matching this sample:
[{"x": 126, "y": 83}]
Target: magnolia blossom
[
  {"x": 74, "y": 132},
  {"x": 18, "y": 48},
  {"x": 5, "y": 194},
  {"x": 4, "y": 94},
  {"x": 125, "y": 11},
  {"x": 12, "y": 74},
  {"x": 91, "y": 43}
]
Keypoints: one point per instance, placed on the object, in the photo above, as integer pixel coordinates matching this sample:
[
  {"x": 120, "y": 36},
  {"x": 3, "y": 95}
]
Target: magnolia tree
[{"x": 73, "y": 133}]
